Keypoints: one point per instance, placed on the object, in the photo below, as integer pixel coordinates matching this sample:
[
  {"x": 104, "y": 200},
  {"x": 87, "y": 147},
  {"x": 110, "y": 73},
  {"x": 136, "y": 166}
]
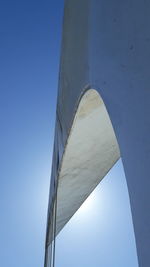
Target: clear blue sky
[
  {"x": 101, "y": 232},
  {"x": 30, "y": 34}
]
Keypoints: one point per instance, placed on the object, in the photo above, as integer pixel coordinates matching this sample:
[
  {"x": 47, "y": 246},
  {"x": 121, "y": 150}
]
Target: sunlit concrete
[{"x": 90, "y": 152}]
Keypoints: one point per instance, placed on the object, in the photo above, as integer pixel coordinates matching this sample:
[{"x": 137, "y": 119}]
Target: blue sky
[
  {"x": 30, "y": 34},
  {"x": 101, "y": 232}
]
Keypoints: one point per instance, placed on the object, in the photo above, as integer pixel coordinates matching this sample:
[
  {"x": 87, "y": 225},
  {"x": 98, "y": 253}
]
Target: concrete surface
[{"x": 106, "y": 47}]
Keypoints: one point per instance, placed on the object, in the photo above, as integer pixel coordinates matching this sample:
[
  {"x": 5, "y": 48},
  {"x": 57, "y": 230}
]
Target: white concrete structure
[{"x": 104, "y": 69}]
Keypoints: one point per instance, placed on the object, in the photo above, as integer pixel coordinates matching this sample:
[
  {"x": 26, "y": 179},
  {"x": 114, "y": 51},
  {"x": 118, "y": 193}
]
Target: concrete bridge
[{"x": 103, "y": 111}]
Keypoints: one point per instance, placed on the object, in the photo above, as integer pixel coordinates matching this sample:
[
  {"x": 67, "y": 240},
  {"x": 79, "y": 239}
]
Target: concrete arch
[
  {"x": 107, "y": 45},
  {"x": 91, "y": 150}
]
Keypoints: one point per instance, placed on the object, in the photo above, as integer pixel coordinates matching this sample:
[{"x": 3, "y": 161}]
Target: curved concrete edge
[{"x": 91, "y": 151}]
